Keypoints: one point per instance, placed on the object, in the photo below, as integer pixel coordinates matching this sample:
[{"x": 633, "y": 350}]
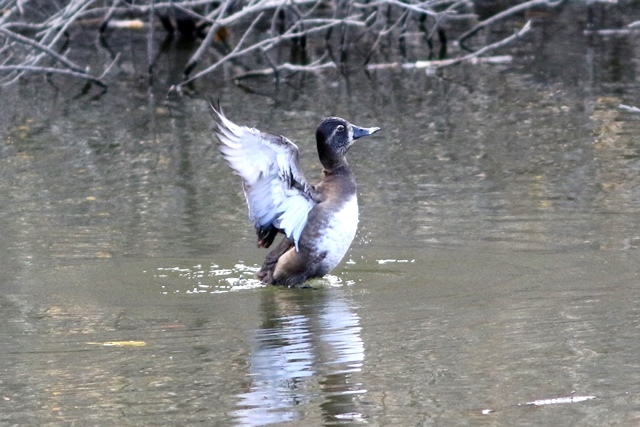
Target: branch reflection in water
[{"x": 308, "y": 351}]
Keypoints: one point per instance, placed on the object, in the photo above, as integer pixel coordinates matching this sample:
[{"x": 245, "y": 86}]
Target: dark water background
[{"x": 496, "y": 262}]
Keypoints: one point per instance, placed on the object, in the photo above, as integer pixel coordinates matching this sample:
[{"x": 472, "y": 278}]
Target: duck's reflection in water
[{"x": 305, "y": 360}]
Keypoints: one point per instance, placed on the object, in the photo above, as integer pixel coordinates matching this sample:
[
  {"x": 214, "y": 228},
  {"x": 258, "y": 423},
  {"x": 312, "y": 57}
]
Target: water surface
[{"x": 496, "y": 263}]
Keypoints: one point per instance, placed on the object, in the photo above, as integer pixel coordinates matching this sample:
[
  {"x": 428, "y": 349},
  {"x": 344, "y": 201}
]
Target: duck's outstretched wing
[{"x": 278, "y": 194}]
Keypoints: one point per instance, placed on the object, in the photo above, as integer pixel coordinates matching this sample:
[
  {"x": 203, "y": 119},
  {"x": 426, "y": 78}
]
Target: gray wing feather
[{"x": 269, "y": 168}]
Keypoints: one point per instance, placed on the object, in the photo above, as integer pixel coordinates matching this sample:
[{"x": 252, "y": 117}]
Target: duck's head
[{"x": 334, "y": 136}]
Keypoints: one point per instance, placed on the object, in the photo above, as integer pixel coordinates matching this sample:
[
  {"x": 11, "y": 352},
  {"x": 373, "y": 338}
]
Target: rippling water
[
  {"x": 493, "y": 281},
  {"x": 311, "y": 341}
]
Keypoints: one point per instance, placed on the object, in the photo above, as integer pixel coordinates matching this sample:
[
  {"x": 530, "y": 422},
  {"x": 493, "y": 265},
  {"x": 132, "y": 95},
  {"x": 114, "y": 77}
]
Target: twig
[
  {"x": 7, "y": 14},
  {"x": 265, "y": 44},
  {"x": 42, "y": 48},
  {"x": 43, "y": 44},
  {"x": 232, "y": 54},
  {"x": 374, "y": 46},
  {"x": 109, "y": 67},
  {"x": 504, "y": 14},
  {"x": 197, "y": 56},
  {"x": 66, "y": 21},
  {"x": 109, "y": 15},
  {"x": 493, "y": 46},
  {"x": 470, "y": 57}
]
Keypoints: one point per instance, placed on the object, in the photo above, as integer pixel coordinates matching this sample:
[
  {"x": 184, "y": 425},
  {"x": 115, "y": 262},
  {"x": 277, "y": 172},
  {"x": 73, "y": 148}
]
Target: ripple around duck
[{"x": 195, "y": 279}]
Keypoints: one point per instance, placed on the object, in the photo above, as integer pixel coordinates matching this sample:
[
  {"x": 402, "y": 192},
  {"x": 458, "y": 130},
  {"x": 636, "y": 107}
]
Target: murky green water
[{"x": 496, "y": 262}]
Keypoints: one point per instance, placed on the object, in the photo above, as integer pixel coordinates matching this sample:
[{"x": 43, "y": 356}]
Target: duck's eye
[{"x": 340, "y": 128}]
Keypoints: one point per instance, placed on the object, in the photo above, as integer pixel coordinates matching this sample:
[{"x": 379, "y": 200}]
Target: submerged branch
[
  {"x": 289, "y": 35},
  {"x": 435, "y": 64},
  {"x": 287, "y": 67}
]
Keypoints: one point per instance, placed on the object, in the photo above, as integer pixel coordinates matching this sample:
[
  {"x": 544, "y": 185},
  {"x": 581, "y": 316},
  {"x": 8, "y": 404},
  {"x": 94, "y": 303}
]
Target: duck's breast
[{"x": 335, "y": 232}]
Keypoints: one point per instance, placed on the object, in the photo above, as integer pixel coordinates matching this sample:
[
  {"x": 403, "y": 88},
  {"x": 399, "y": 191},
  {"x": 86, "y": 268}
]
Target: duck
[{"x": 319, "y": 222}]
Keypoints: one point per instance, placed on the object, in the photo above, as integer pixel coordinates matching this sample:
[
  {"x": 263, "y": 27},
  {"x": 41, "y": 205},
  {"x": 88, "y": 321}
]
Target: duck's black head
[{"x": 334, "y": 136}]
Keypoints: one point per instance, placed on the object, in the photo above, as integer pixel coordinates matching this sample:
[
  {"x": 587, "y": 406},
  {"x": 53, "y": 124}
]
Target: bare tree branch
[
  {"x": 195, "y": 59},
  {"x": 505, "y": 14},
  {"x": 525, "y": 29},
  {"x": 293, "y": 35},
  {"x": 433, "y": 65},
  {"x": 287, "y": 67},
  {"x": 470, "y": 57},
  {"x": 267, "y": 44},
  {"x": 42, "y": 48}
]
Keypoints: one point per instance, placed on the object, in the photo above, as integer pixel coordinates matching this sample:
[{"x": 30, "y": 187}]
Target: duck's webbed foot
[{"x": 265, "y": 275}]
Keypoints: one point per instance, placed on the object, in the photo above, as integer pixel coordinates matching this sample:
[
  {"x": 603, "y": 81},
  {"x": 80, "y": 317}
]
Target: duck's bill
[{"x": 359, "y": 132}]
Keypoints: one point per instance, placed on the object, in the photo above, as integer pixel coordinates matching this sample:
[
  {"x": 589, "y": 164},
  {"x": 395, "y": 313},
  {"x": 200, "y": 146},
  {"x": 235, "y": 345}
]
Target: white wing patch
[
  {"x": 294, "y": 216},
  {"x": 268, "y": 166}
]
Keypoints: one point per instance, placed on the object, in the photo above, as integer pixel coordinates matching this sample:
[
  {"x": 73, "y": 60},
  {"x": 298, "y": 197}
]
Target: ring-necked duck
[{"x": 319, "y": 221}]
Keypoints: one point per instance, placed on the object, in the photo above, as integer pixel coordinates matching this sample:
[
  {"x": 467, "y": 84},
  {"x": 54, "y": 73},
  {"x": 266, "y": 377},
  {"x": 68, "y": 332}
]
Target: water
[{"x": 496, "y": 263}]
